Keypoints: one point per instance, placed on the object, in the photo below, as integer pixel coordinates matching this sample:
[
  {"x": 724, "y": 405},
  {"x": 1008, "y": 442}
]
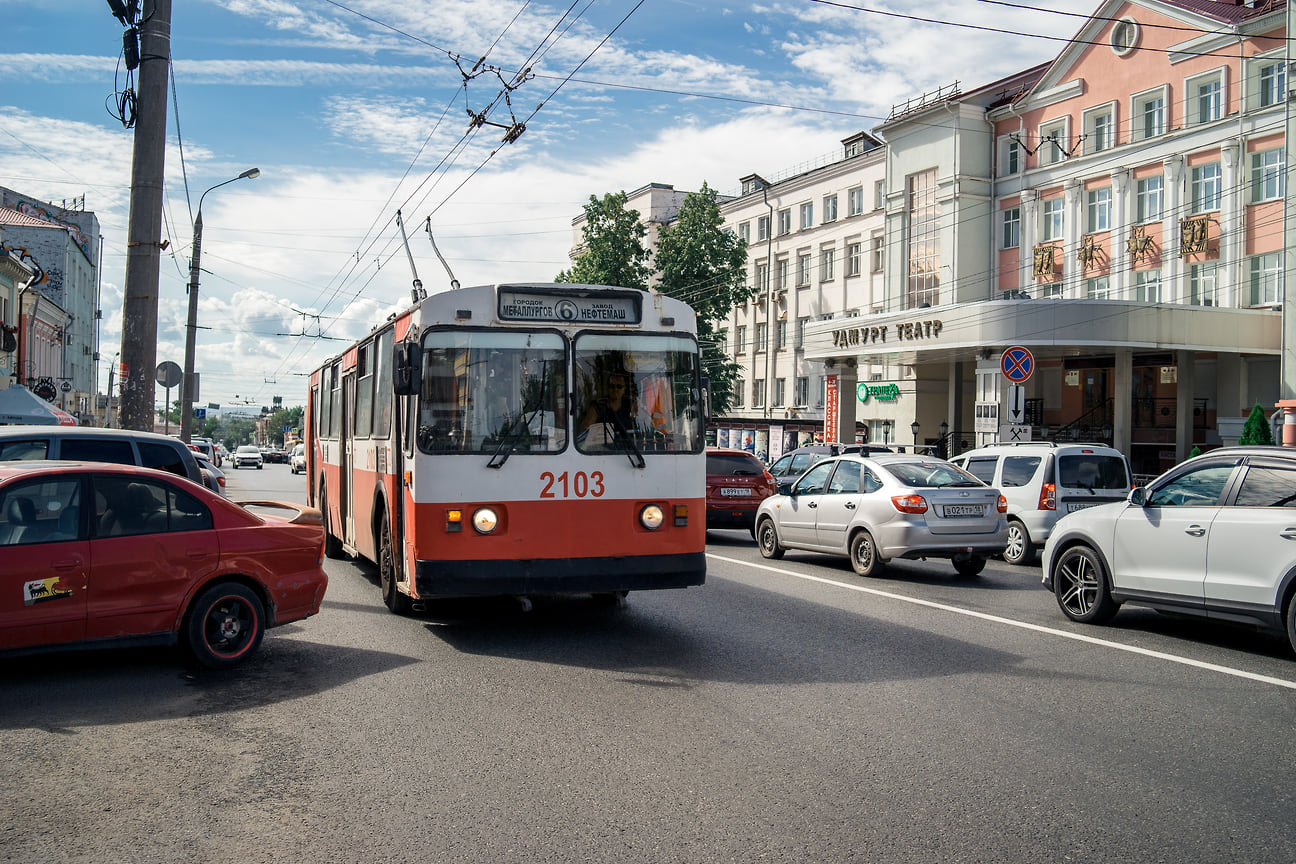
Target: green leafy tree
[
  {"x": 1256, "y": 429},
  {"x": 704, "y": 265},
  {"x": 614, "y": 251},
  {"x": 283, "y": 417}
]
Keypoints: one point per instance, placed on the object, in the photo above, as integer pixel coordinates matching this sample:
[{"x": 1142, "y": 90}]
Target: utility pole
[
  {"x": 144, "y": 231},
  {"x": 1287, "y": 358}
]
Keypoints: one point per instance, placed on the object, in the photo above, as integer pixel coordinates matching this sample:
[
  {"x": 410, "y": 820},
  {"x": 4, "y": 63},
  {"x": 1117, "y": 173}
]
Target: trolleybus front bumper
[{"x": 558, "y": 575}]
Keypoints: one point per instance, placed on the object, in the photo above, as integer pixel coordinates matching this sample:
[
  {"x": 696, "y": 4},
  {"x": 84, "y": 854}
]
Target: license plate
[
  {"x": 1071, "y": 508},
  {"x": 727, "y": 492},
  {"x": 964, "y": 510}
]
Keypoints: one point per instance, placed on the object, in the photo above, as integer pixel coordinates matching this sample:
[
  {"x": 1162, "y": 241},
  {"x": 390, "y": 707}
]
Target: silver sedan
[{"x": 876, "y": 508}]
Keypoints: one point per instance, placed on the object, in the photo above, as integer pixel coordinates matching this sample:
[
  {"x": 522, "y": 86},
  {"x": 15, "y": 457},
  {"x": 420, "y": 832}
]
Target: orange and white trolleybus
[{"x": 516, "y": 439}]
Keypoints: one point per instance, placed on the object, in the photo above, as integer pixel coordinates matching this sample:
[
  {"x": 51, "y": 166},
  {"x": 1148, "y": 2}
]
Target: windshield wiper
[{"x": 511, "y": 435}]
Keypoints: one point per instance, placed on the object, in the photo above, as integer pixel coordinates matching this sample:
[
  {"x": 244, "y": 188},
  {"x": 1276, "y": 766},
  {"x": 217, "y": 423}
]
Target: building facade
[{"x": 1114, "y": 216}]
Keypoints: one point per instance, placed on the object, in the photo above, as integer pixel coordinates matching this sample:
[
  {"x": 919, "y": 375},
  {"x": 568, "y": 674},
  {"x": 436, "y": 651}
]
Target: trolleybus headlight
[
  {"x": 651, "y": 517},
  {"x": 484, "y": 520}
]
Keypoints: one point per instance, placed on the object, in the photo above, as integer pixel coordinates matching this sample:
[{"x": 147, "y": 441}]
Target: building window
[
  {"x": 762, "y": 228},
  {"x": 1206, "y": 187},
  {"x": 803, "y": 269},
  {"x": 1099, "y": 209},
  {"x": 1147, "y": 286},
  {"x": 1098, "y": 288},
  {"x": 855, "y": 201},
  {"x": 854, "y": 256},
  {"x": 1149, "y": 115},
  {"x": 744, "y": 232},
  {"x": 802, "y": 397},
  {"x": 830, "y": 208},
  {"x": 1150, "y": 193},
  {"x": 738, "y": 393},
  {"x": 762, "y": 277},
  {"x": 800, "y": 330},
  {"x": 1267, "y": 175},
  {"x": 878, "y": 247},
  {"x": 785, "y": 221},
  {"x": 1011, "y": 155},
  {"x": 1100, "y": 129},
  {"x": 740, "y": 340},
  {"x": 827, "y": 264},
  {"x": 1053, "y": 142},
  {"x": 762, "y": 335},
  {"x": 1201, "y": 284},
  {"x": 782, "y": 274},
  {"x": 1054, "y": 218},
  {"x": 1124, "y": 36},
  {"x": 1266, "y": 279},
  {"x": 780, "y": 384},
  {"x": 758, "y": 393},
  {"x": 879, "y": 194},
  {"x": 807, "y": 216},
  {"x": 1205, "y": 97},
  {"x": 780, "y": 334},
  {"x": 1272, "y": 82},
  {"x": 1012, "y": 228},
  {"x": 924, "y": 241}
]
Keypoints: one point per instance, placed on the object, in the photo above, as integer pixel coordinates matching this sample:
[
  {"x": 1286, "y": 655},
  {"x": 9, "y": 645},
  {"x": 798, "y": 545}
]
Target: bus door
[{"x": 346, "y": 447}]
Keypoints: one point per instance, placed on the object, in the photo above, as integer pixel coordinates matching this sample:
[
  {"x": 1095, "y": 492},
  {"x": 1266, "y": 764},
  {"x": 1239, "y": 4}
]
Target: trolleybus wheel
[{"x": 397, "y": 602}]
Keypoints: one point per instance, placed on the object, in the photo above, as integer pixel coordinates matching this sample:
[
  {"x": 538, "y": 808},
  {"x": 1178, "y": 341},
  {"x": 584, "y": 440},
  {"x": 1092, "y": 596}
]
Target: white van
[{"x": 1043, "y": 482}]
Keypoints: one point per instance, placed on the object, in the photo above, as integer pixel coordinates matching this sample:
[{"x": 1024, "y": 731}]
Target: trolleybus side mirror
[
  {"x": 405, "y": 368},
  {"x": 704, "y": 400}
]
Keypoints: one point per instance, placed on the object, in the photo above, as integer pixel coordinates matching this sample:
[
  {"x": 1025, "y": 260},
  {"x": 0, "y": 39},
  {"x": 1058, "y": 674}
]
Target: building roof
[
  {"x": 1229, "y": 11},
  {"x": 9, "y": 216}
]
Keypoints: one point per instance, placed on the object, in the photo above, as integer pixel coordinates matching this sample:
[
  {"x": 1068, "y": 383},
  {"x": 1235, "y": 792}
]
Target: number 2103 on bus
[{"x": 516, "y": 439}]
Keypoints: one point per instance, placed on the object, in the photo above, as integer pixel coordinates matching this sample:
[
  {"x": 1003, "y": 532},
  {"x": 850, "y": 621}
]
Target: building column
[
  {"x": 1122, "y": 409},
  {"x": 1072, "y": 231},
  {"x": 955, "y": 404},
  {"x": 1184, "y": 363},
  {"x": 847, "y": 402},
  {"x": 1230, "y": 386},
  {"x": 1228, "y": 273},
  {"x": 1174, "y": 290},
  {"x": 1119, "y": 276}
]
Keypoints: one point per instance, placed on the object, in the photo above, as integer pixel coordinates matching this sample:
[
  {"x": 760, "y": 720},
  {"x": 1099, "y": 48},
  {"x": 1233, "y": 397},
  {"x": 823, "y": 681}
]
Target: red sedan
[{"x": 117, "y": 555}]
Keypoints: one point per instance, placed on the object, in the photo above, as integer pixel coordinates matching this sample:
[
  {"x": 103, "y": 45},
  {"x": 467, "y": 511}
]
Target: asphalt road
[{"x": 786, "y": 711}]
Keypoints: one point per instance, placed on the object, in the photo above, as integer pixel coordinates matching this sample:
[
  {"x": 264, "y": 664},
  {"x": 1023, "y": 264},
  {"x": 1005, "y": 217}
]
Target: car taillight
[
  {"x": 1048, "y": 500},
  {"x": 909, "y": 503},
  {"x": 1002, "y": 504}
]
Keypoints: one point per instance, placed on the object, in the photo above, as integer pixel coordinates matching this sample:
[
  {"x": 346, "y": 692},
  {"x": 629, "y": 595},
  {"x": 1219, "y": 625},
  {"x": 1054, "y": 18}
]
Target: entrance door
[{"x": 348, "y": 459}]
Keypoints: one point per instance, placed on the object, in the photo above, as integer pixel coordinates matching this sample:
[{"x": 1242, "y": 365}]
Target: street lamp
[
  {"x": 191, "y": 330},
  {"x": 914, "y": 427},
  {"x": 943, "y": 450}
]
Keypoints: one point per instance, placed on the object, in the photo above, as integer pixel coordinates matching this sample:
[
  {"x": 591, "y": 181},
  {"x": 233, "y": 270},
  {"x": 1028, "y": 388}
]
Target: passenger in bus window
[{"x": 610, "y": 417}]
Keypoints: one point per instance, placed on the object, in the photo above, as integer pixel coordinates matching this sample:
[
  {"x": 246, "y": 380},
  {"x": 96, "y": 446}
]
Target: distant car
[
  {"x": 297, "y": 462},
  {"x": 736, "y": 483},
  {"x": 874, "y": 508},
  {"x": 87, "y": 444},
  {"x": 1043, "y": 482},
  {"x": 248, "y": 456},
  {"x": 796, "y": 462},
  {"x": 206, "y": 446},
  {"x": 1212, "y": 537},
  {"x": 119, "y": 555}
]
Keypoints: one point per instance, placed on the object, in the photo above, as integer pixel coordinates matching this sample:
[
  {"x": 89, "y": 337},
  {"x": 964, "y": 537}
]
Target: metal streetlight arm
[{"x": 191, "y": 328}]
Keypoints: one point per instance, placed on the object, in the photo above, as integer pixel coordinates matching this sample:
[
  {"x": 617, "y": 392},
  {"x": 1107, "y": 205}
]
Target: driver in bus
[{"x": 611, "y": 416}]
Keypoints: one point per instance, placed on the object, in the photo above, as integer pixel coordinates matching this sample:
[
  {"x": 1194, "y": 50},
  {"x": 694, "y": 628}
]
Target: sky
[{"x": 354, "y": 109}]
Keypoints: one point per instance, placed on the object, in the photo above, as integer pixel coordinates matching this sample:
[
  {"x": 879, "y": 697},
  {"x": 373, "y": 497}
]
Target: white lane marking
[{"x": 1078, "y": 637}]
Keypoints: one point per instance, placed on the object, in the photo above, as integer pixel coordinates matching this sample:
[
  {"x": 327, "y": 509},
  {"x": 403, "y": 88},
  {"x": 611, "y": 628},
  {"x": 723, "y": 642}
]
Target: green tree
[
  {"x": 614, "y": 251},
  {"x": 706, "y": 266},
  {"x": 283, "y": 417},
  {"x": 1256, "y": 429}
]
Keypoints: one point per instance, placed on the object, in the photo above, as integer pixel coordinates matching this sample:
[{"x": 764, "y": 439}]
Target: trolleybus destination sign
[{"x": 568, "y": 308}]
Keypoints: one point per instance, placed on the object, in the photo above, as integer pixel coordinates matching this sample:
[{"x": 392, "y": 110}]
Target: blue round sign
[{"x": 1017, "y": 364}]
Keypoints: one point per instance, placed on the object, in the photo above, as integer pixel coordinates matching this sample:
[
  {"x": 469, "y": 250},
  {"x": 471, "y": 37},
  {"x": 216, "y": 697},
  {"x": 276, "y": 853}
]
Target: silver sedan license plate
[
  {"x": 964, "y": 510},
  {"x": 731, "y": 492}
]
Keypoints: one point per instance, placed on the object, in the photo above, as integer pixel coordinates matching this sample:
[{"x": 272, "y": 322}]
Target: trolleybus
[{"x": 516, "y": 439}]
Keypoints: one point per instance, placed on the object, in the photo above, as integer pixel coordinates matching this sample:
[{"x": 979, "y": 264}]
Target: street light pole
[{"x": 191, "y": 329}]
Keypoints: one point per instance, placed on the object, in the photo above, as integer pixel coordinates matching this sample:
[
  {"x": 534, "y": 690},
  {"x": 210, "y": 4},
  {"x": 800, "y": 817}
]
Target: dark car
[
  {"x": 86, "y": 444},
  {"x": 736, "y": 484},
  {"x": 99, "y": 554},
  {"x": 794, "y": 463}
]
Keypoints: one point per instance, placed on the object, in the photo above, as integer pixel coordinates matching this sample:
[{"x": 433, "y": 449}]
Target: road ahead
[{"x": 786, "y": 711}]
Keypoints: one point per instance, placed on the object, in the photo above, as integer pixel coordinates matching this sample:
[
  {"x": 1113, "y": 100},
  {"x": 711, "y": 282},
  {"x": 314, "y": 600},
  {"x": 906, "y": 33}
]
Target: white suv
[{"x": 1043, "y": 482}]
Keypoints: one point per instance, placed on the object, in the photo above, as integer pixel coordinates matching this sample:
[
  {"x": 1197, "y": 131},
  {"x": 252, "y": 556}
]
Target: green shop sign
[{"x": 880, "y": 392}]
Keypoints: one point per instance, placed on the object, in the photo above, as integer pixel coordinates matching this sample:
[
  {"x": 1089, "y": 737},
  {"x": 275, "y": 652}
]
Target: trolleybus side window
[
  {"x": 487, "y": 390},
  {"x": 363, "y": 420},
  {"x": 382, "y": 407},
  {"x": 636, "y": 392},
  {"x": 335, "y": 401}
]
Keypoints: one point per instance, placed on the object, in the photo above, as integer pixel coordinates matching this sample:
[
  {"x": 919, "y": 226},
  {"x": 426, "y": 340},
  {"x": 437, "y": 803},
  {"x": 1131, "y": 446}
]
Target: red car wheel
[{"x": 225, "y": 625}]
